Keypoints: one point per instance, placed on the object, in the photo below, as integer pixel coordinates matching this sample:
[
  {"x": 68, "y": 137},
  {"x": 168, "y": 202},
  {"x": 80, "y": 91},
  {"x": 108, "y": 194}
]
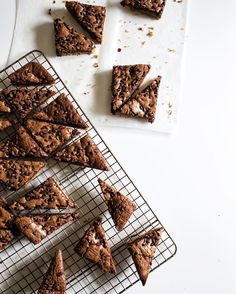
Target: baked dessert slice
[
  {"x": 23, "y": 101},
  {"x": 142, "y": 250},
  {"x": 90, "y": 17},
  {"x": 144, "y": 104},
  {"x": 4, "y": 108},
  {"x": 120, "y": 206},
  {"x": 54, "y": 281},
  {"x": 5, "y": 124},
  {"x": 6, "y": 236},
  {"x": 20, "y": 144},
  {"x": 153, "y": 8},
  {"x": 47, "y": 195},
  {"x": 16, "y": 173},
  {"x": 70, "y": 42},
  {"x": 37, "y": 227},
  {"x": 61, "y": 111},
  {"x": 125, "y": 81},
  {"x": 6, "y": 224},
  {"x": 83, "y": 152},
  {"x": 33, "y": 73},
  {"x": 94, "y": 247},
  {"x": 50, "y": 136}
]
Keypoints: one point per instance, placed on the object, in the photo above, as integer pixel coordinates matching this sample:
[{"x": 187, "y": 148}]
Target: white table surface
[{"x": 189, "y": 178}]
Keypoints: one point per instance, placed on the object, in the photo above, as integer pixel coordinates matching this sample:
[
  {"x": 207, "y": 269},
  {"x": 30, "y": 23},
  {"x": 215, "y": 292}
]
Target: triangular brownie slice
[
  {"x": 144, "y": 104},
  {"x": 90, "y": 17},
  {"x": 143, "y": 250},
  {"x": 4, "y": 108},
  {"x": 61, "y": 111},
  {"x": 70, "y": 42},
  {"x": 7, "y": 232},
  {"x": 47, "y": 195},
  {"x": 120, "y": 206},
  {"x": 54, "y": 281},
  {"x": 16, "y": 173},
  {"x": 50, "y": 136},
  {"x": 95, "y": 248},
  {"x": 125, "y": 81},
  {"x": 37, "y": 227},
  {"x": 83, "y": 152},
  {"x": 5, "y": 124},
  {"x": 152, "y": 7},
  {"x": 23, "y": 101},
  {"x": 32, "y": 73},
  {"x": 20, "y": 144}
]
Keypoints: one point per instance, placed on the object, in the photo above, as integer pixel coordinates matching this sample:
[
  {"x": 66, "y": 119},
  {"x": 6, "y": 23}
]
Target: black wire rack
[{"x": 22, "y": 264}]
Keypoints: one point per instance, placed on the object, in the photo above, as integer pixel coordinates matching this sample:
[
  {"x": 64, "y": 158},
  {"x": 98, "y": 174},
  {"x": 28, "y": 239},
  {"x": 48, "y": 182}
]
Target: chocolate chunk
[
  {"x": 38, "y": 227},
  {"x": 83, "y": 152},
  {"x": 5, "y": 124},
  {"x": 16, "y": 173},
  {"x": 70, "y": 42},
  {"x": 47, "y": 195},
  {"x": 90, "y": 17},
  {"x": 61, "y": 111},
  {"x": 6, "y": 236},
  {"x": 4, "y": 108},
  {"x": 54, "y": 281},
  {"x": 95, "y": 248},
  {"x": 120, "y": 206},
  {"x": 20, "y": 144},
  {"x": 50, "y": 136},
  {"x": 153, "y": 8},
  {"x": 144, "y": 104},
  {"x": 142, "y": 250},
  {"x": 125, "y": 81},
  {"x": 32, "y": 73},
  {"x": 23, "y": 101}
]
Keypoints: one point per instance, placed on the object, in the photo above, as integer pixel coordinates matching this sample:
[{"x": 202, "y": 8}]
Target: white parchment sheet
[{"x": 129, "y": 38}]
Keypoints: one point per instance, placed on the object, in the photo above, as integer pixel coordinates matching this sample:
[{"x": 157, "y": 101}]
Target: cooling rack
[{"x": 22, "y": 264}]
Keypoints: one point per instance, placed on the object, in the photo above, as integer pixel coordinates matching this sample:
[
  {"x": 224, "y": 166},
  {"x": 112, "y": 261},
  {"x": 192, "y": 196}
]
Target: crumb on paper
[
  {"x": 143, "y": 43},
  {"x": 150, "y": 34},
  {"x": 151, "y": 28},
  {"x": 65, "y": 81},
  {"x": 95, "y": 56},
  {"x": 154, "y": 57},
  {"x": 182, "y": 29},
  {"x": 140, "y": 29},
  {"x": 126, "y": 46},
  {"x": 170, "y": 108},
  {"x": 53, "y": 1},
  {"x": 126, "y": 31},
  {"x": 119, "y": 49},
  {"x": 178, "y": 1},
  {"x": 95, "y": 65},
  {"x": 171, "y": 50},
  {"x": 50, "y": 11}
]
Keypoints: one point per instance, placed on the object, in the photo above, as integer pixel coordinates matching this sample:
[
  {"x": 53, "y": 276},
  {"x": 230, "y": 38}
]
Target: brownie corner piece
[
  {"x": 142, "y": 250},
  {"x": 69, "y": 42},
  {"x": 16, "y": 173},
  {"x": 153, "y": 8},
  {"x": 90, "y": 17},
  {"x": 125, "y": 81},
  {"x": 143, "y": 104},
  {"x": 94, "y": 247},
  {"x": 54, "y": 280},
  {"x": 32, "y": 73}
]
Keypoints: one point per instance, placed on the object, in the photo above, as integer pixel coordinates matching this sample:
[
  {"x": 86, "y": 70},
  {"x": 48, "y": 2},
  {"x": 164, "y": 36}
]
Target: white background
[{"x": 189, "y": 178}]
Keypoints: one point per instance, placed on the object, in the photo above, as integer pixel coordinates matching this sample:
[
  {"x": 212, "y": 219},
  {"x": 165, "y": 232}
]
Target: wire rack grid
[{"x": 22, "y": 264}]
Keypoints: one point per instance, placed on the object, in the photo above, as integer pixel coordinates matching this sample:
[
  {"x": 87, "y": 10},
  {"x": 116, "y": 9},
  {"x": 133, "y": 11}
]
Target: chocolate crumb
[
  {"x": 150, "y": 34},
  {"x": 53, "y": 1},
  {"x": 140, "y": 29},
  {"x": 119, "y": 50},
  {"x": 143, "y": 43},
  {"x": 171, "y": 50},
  {"x": 50, "y": 11},
  {"x": 95, "y": 65}
]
